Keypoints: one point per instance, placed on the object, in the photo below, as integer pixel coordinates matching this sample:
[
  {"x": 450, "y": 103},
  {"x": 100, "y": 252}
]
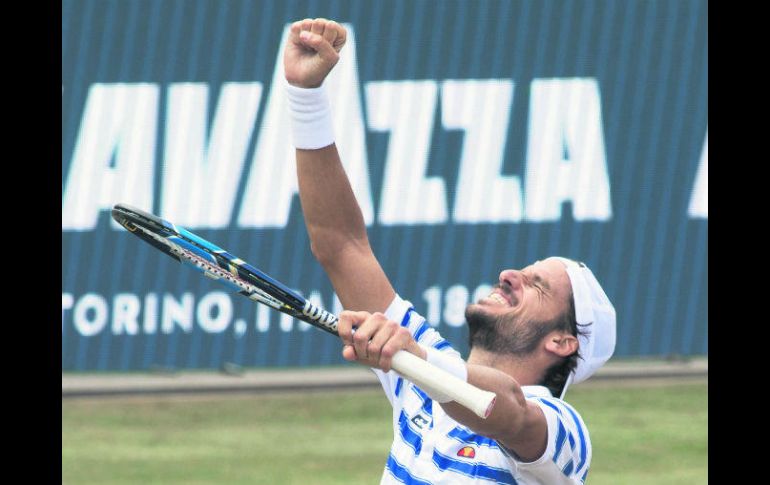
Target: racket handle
[{"x": 431, "y": 379}]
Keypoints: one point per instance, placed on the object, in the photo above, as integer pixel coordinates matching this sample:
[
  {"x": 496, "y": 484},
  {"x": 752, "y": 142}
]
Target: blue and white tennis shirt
[{"x": 429, "y": 447}]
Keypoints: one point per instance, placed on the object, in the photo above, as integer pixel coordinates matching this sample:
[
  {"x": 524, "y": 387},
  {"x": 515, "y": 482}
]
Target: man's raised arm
[{"x": 333, "y": 218}]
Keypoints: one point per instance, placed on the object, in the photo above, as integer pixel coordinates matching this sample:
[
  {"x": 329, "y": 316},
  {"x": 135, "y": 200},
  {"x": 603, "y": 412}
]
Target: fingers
[
  {"x": 372, "y": 339},
  {"x": 348, "y": 353},
  {"x": 347, "y": 322},
  {"x": 384, "y": 333},
  {"x": 318, "y": 26},
  {"x": 400, "y": 340},
  {"x": 319, "y": 44},
  {"x": 329, "y": 34},
  {"x": 334, "y": 34},
  {"x": 366, "y": 332},
  {"x": 340, "y": 35},
  {"x": 295, "y": 28},
  {"x": 323, "y": 36}
]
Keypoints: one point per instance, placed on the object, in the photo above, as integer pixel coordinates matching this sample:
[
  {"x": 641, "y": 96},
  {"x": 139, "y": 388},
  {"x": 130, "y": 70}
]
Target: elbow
[
  {"x": 333, "y": 242},
  {"x": 331, "y": 252},
  {"x": 324, "y": 243},
  {"x": 323, "y": 253}
]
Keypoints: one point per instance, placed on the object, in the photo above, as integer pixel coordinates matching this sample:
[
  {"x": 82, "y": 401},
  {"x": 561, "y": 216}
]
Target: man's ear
[{"x": 561, "y": 343}]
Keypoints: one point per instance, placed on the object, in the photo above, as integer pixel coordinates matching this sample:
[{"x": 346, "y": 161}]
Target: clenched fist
[{"x": 312, "y": 51}]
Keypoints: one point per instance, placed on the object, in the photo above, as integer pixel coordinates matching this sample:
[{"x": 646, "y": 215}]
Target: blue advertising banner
[{"x": 478, "y": 136}]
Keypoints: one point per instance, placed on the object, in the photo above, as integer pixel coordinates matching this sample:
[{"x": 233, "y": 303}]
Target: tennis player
[{"x": 542, "y": 328}]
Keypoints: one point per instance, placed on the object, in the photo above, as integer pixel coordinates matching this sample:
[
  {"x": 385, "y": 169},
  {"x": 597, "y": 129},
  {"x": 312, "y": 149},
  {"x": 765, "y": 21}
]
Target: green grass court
[{"x": 642, "y": 434}]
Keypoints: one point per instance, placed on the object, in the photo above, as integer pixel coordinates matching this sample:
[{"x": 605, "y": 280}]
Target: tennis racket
[{"x": 217, "y": 264}]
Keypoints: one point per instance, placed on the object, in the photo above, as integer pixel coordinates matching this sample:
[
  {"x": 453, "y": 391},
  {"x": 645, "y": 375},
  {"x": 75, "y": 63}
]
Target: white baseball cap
[{"x": 595, "y": 312}]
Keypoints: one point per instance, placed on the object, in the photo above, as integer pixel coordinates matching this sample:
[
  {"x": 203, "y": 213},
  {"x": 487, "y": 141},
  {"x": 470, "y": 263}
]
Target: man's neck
[{"x": 526, "y": 371}]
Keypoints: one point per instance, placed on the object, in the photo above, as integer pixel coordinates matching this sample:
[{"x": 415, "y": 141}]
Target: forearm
[
  {"x": 337, "y": 231},
  {"x": 513, "y": 422},
  {"x": 509, "y": 406},
  {"x": 332, "y": 215}
]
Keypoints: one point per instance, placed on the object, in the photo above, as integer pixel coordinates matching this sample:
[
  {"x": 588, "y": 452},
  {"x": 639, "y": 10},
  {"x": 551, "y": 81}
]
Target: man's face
[{"x": 513, "y": 318}]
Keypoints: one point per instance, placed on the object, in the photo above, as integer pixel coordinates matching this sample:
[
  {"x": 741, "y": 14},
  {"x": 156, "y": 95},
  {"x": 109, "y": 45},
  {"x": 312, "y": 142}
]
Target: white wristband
[
  {"x": 448, "y": 363},
  {"x": 311, "y": 117}
]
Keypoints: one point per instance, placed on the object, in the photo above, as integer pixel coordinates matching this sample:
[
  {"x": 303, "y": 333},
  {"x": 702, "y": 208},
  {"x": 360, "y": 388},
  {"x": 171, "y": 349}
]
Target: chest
[{"x": 427, "y": 438}]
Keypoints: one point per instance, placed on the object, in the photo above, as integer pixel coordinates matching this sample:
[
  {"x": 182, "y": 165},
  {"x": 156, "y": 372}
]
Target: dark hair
[{"x": 556, "y": 376}]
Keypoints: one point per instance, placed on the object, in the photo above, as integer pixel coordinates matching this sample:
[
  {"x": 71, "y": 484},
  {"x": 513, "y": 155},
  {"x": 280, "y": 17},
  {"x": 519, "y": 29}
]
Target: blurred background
[{"x": 478, "y": 136}]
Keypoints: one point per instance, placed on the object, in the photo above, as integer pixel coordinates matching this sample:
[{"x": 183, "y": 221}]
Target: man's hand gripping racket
[{"x": 239, "y": 276}]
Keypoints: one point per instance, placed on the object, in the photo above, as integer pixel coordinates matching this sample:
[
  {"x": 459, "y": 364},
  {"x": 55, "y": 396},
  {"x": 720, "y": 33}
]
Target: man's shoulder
[{"x": 542, "y": 394}]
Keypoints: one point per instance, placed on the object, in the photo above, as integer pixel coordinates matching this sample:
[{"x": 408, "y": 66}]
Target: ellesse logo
[{"x": 467, "y": 452}]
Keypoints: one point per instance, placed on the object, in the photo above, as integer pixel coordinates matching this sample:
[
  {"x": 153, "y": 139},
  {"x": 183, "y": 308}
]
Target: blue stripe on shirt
[
  {"x": 401, "y": 474},
  {"x": 427, "y": 403},
  {"x": 419, "y": 393},
  {"x": 426, "y": 400},
  {"x": 408, "y": 436},
  {"x": 442, "y": 344},
  {"x": 466, "y": 436},
  {"x": 581, "y": 435},
  {"x": 550, "y": 405},
  {"x": 399, "y": 383},
  {"x": 474, "y": 470},
  {"x": 421, "y": 330},
  {"x": 561, "y": 435},
  {"x": 407, "y": 316}
]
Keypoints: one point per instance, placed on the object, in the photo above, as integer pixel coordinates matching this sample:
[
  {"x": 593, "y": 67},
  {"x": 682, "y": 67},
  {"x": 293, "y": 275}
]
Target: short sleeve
[{"x": 567, "y": 456}]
